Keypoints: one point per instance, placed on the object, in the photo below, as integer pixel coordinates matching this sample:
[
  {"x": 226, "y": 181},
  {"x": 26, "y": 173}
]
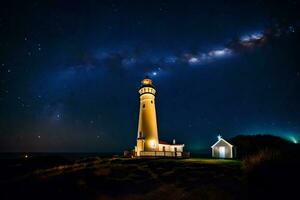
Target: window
[
  {"x": 144, "y": 105},
  {"x": 151, "y": 101}
]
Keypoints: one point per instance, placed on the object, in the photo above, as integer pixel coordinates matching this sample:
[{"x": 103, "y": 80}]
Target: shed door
[{"x": 222, "y": 152}]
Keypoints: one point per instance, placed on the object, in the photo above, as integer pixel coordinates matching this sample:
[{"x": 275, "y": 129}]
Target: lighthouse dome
[{"x": 146, "y": 82}]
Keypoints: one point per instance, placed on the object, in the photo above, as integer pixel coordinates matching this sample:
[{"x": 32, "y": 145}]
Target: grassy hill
[
  {"x": 102, "y": 178},
  {"x": 247, "y": 145},
  {"x": 267, "y": 168}
]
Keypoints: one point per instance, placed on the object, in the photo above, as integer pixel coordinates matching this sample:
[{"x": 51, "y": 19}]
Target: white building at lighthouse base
[{"x": 165, "y": 149}]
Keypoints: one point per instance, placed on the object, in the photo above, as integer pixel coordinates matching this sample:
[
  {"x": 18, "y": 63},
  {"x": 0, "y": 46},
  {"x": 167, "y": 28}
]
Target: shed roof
[
  {"x": 163, "y": 142},
  {"x": 221, "y": 139}
]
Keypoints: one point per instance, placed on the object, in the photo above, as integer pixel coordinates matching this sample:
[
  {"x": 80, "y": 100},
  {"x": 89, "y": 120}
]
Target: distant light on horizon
[{"x": 293, "y": 139}]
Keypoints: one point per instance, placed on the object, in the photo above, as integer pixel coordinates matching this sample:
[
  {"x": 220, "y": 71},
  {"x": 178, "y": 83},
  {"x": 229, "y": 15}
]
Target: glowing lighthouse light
[{"x": 152, "y": 143}]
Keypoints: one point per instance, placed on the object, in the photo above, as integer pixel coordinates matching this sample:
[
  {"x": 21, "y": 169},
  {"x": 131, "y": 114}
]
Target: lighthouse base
[{"x": 164, "y": 150}]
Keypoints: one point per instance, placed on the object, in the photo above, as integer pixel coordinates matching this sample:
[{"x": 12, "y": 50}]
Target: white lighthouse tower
[
  {"x": 147, "y": 143},
  {"x": 147, "y": 136}
]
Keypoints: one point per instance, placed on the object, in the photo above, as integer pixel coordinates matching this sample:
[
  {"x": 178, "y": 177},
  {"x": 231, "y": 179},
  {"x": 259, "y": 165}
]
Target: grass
[
  {"x": 212, "y": 161},
  {"x": 123, "y": 178}
]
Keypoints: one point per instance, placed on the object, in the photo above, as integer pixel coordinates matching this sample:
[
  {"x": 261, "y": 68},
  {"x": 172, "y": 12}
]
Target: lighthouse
[
  {"x": 147, "y": 142},
  {"x": 147, "y": 135}
]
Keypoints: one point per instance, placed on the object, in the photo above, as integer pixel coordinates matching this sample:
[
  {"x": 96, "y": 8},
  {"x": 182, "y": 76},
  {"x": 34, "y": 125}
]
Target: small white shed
[{"x": 222, "y": 149}]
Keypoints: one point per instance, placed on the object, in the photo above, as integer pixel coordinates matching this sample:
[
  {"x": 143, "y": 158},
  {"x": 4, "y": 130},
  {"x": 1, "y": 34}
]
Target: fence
[{"x": 160, "y": 154}]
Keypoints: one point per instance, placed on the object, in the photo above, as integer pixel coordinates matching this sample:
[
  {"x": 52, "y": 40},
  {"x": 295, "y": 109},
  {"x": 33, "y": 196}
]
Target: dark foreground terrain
[{"x": 56, "y": 177}]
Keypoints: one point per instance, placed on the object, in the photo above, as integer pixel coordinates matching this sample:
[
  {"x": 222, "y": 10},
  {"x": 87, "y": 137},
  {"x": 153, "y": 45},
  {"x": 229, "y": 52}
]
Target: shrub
[{"x": 257, "y": 160}]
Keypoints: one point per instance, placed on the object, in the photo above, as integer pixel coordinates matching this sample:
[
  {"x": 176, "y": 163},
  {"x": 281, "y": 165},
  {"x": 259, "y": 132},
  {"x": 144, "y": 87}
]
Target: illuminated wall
[{"x": 171, "y": 147}]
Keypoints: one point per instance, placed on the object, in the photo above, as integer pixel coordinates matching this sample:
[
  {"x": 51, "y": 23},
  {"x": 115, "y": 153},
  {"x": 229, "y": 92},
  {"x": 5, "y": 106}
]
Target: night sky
[{"x": 70, "y": 72}]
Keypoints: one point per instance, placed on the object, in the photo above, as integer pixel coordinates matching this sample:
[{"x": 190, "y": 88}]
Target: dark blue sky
[{"x": 70, "y": 72}]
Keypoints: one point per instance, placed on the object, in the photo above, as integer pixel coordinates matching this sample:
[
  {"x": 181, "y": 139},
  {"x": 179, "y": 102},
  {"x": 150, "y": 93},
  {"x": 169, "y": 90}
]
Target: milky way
[{"x": 153, "y": 64}]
